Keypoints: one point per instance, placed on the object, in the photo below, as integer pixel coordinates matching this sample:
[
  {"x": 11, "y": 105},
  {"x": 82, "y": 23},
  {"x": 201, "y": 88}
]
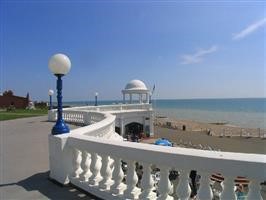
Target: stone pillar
[
  {"x": 122, "y": 127},
  {"x": 140, "y": 98},
  {"x": 130, "y": 98},
  {"x": 151, "y": 123},
  {"x": 124, "y": 98},
  {"x": 147, "y": 98}
]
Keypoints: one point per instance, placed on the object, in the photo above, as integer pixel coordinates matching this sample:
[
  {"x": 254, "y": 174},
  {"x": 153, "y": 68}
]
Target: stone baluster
[
  {"x": 183, "y": 188},
  {"x": 164, "y": 184},
  {"x": 132, "y": 192},
  {"x": 106, "y": 173},
  {"x": 147, "y": 183},
  {"x": 254, "y": 190},
  {"x": 85, "y": 166},
  {"x": 175, "y": 183},
  {"x": 118, "y": 175},
  {"x": 76, "y": 163},
  {"x": 205, "y": 191},
  {"x": 228, "y": 189},
  {"x": 95, "y": 169}
]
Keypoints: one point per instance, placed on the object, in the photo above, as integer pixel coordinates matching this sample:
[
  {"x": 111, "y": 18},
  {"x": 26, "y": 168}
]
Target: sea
[{"x": 242, "y": 112}]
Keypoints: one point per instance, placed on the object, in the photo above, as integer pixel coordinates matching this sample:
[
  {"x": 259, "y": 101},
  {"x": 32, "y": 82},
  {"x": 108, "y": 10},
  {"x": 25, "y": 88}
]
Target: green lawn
[{"x": 21, "y": 113}]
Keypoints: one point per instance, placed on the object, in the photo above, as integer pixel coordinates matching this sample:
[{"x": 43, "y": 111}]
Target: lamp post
[
  {"x": 59, "y": 65},
  {"x": 50, "y": 93},
  {"x": 96, "y": 98}
]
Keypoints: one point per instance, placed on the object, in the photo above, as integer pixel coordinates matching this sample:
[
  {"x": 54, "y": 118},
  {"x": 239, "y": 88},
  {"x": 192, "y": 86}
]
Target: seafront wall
[{"x": 90, "y": 158}]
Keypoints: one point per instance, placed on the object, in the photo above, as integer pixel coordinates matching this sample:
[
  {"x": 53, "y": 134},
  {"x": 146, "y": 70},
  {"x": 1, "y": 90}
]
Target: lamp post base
[{"x": 60, "y": 128}]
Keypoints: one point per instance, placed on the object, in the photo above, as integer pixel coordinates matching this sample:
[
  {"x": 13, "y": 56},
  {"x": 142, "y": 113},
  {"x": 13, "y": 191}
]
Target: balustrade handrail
[
  {"x": 92, "y": 129},
  {"x": 252, "y": 166},
  {"x": 112, "y": 107}
]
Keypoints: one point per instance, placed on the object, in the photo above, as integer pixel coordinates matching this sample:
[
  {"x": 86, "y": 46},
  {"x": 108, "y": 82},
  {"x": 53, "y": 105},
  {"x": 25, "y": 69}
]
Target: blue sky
[{"x": 187, "y": 49}]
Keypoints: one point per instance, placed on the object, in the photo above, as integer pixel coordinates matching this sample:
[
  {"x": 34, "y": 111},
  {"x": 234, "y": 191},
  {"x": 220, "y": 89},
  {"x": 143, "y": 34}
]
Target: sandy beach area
[
  {"x": 214, "y": 129},
  {"x": 196, "y": 136}
]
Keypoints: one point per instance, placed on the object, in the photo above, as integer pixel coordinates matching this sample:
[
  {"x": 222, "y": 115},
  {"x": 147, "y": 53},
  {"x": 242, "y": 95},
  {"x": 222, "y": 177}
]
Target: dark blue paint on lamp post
[{"x": 60, "y": 65}]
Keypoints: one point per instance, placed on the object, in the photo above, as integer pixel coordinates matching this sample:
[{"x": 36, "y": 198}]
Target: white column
[
  {"x": 164, "y": 184},
  {"x": 205, "y": 191},
  {"x": 147, "y": 98},
  {"x": 140, "y": 98},
  {"x": 228, "y": 189},
  {"x": 124, "y": 98},
  {"x": 130, "y": 98},
  {"x": 118, "y": 175},
  {"x": 132, "y": 192},
  {"x": 122, "y": 127},
  {"x": 76, "y": 163},
  {"x": 151, "y": 124},
  {"x": 183, "y": 189},
  {"x": 254, "y": 190},
  {"x": 106, "y": 173},
  {"x": 147, "y": 183},
  {"x": 85, "y": 166},
  {"x": 95, "y": 167}
]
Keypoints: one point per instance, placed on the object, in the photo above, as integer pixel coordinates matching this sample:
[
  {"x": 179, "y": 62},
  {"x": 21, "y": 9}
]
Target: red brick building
[{"x": 9, "y": 99}]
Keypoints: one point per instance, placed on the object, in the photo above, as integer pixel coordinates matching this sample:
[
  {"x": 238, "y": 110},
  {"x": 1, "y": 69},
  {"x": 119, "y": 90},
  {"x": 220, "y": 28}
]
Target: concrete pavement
[{"x": 24, "y": 166}]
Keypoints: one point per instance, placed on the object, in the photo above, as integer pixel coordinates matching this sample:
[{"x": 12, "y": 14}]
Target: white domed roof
[{"x": 136, "y": 85}]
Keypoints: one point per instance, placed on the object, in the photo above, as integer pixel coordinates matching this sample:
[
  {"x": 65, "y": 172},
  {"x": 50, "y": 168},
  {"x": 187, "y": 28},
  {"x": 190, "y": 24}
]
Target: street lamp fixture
[
  {"x": 50, "y": 93},
  {"x": 59, "y": 64},
  {"x": 96, "y": 98}
]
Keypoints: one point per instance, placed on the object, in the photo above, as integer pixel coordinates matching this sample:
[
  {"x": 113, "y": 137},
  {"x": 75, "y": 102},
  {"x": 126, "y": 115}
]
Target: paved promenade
[{"x": 24, "y": 162}]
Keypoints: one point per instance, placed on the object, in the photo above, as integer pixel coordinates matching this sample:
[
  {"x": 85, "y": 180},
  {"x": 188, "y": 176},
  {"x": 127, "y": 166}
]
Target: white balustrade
[
  {"x": 183, "y": 189},
  {"x": 76, "y": 163},
  {"x": 85, "y": 166},
  {"x": 228, "y": 189},
  {"x": 106, "y": 173},
  {"x": 205, "y": 191},
  {"x": 95, "y": 169},
  {"x": 164, "y": 184},
  {"x": 147, "y": 183},
  {"x": 118, "y": 175},
  {"x": 132, "y": 191},
  {"x": 83, "y": 157},
  {"x": 254, "y": 190}
]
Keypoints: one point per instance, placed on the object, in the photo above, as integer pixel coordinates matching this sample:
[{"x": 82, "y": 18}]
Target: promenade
[{"x": 24, "y": 162}]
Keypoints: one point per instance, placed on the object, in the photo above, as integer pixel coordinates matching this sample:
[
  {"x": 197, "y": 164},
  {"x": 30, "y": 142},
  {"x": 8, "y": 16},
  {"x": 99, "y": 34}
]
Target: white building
[{"x": 132, "y": 117}]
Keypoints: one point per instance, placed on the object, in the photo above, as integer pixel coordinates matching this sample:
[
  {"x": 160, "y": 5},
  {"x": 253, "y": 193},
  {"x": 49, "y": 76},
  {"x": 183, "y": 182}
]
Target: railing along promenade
[{"x": 91, "y": 158}]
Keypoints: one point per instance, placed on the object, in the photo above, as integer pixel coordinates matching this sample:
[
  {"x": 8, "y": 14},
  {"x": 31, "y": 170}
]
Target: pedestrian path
[{"x": 24, "y": 166}]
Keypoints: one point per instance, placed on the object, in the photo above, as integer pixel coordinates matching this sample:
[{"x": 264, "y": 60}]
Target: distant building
[{"x": 9, "y": 99}]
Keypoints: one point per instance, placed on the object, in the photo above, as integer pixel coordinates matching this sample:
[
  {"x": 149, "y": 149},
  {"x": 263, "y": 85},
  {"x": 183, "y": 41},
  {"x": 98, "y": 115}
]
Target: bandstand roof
[{"x": 135, "y": 86}]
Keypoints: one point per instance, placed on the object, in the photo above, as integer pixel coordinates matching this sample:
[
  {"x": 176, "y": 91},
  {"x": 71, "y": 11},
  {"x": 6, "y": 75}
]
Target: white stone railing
[
  {"x": 94, "y": 164},
  {"x": 90, "y": 158},
  {"x": 80, "y": 114},
  {"x": 77, "y": 116},
  {"x": 115, "y": 107}
]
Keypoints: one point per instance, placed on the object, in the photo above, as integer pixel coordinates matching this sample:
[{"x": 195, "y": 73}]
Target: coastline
[
  {"x": 218, "y": 129},
  {"x": 196, "y": 136}
]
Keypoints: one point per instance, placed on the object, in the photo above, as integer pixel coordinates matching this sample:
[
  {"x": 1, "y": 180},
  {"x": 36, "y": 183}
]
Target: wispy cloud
[
  {"x": 249, "y": 29},
  {"x": 198, "y": 56}
]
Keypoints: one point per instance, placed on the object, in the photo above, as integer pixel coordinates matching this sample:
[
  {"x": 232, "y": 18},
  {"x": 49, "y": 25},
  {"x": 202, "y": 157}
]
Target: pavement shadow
[{"x": 51, "y": 189}]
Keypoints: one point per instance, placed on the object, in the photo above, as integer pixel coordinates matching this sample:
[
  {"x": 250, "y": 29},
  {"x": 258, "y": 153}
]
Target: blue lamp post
[
  {"x": 50, "y": 93},
  {"x": 60, "y": 65},
  {"x": 96, "y": 98}
]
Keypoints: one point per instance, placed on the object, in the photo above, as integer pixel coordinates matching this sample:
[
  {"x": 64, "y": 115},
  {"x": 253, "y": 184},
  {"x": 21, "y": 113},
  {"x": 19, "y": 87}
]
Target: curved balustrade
[
  {"x": 94, "y": 164},
  {"x": 106, "y": 177}
]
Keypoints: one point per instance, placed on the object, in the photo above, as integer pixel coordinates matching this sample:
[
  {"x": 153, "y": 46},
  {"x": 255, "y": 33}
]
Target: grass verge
[{"x": 21, "y": 113}]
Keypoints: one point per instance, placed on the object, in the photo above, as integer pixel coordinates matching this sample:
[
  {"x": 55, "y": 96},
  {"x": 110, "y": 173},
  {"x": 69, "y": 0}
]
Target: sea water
[{"x": 243, "y": 112}]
